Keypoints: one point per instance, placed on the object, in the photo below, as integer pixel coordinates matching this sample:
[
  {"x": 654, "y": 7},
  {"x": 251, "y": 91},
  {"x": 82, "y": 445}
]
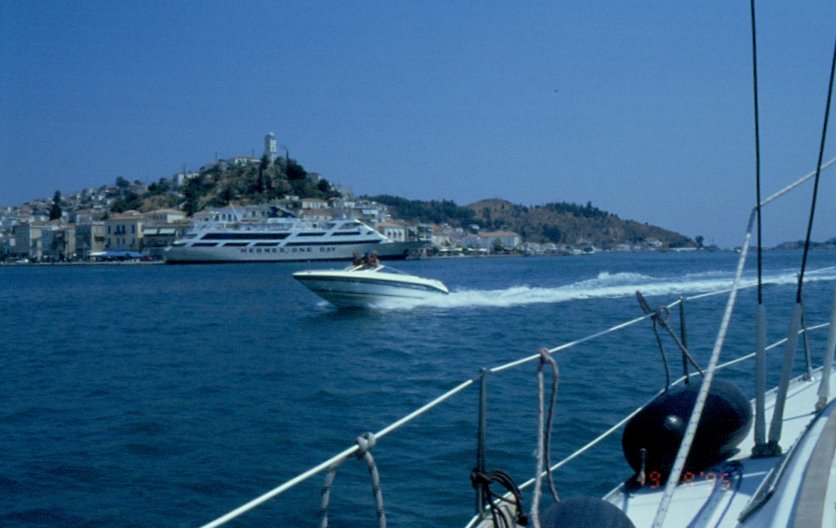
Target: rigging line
[
  {"x": 798, "y": 182},
  {"x": 757, "y": 150},
  {"x": 818, "y": 174},
  {"x": 576, "y": 342}
]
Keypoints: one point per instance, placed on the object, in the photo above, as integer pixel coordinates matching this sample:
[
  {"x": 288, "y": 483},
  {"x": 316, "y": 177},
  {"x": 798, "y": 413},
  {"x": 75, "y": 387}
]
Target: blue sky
[{"x": 643, "y": 108}]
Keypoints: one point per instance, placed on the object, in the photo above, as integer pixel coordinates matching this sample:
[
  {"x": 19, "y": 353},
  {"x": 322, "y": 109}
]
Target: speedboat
[{"x": 369, "y": 285}]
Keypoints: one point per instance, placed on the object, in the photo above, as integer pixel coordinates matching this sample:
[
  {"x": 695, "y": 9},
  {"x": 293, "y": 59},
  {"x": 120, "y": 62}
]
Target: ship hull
[{"x": 299, "y": 253}]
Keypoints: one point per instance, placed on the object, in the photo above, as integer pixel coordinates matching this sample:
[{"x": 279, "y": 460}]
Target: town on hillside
[{"x": 102, "y": 225}]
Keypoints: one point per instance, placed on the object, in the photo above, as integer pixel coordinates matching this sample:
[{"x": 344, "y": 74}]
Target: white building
[
  {"x": 124, "y": 232},
  {"x": 491, "y": 240},
  {"x": 164, "y": 216},
  {"x": 395, "y": 231}
]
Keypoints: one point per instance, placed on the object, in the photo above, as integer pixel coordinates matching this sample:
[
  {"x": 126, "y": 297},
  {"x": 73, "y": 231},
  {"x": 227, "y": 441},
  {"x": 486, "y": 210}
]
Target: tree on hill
[
  {"x": 295, "y": 171},
  {"x": 217, "y": 186},
  {"x": 436, "y": 212},
  {"x": 55, "y": 210},
  {"x": 127, "y": 202}
]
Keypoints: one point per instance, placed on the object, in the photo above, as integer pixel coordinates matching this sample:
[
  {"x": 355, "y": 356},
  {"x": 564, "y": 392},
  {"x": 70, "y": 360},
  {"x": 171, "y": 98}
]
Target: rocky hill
[
  {"x": 799, "y": 244},
  {"x": 558, "y": 223},
  {"x": 572, "y": 224}
]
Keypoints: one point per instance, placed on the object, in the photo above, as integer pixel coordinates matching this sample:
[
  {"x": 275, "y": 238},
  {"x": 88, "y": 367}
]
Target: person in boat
[{"x": 372, "y": 260}]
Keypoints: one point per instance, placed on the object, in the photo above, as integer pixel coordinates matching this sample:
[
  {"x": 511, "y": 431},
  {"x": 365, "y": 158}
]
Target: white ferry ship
[{"x": 281, "y": 237}]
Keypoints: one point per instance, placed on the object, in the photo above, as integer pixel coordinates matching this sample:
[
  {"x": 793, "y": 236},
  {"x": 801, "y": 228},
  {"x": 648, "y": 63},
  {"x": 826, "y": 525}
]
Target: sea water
[{"x": 147, "y": 395}]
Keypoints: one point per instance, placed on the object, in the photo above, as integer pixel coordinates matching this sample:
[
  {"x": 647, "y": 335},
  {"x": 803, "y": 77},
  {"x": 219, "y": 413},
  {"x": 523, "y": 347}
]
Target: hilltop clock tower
[{"x": 270, "y": 147}]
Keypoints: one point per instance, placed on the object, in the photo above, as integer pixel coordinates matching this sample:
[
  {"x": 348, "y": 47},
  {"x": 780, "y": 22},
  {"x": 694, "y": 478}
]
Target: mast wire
[
  {"x": 757, "y": 151},
  {"x": 818, "y": 174}
]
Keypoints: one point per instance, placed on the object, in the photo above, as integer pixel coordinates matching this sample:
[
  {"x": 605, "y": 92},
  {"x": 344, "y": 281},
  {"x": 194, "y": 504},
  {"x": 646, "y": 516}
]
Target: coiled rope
[
  {"x": 544, "y": 432},
  {"x": 365, "y": 443},
  {"x": 499, "y": 505}
]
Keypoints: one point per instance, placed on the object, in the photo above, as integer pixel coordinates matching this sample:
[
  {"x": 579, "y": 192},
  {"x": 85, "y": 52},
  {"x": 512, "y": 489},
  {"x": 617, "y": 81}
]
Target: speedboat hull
[{"x": 369, "y": 287}]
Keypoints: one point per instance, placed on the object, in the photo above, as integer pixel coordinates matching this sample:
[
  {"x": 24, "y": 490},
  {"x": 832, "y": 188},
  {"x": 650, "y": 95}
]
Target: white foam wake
[{"x": 607, "y": 286}]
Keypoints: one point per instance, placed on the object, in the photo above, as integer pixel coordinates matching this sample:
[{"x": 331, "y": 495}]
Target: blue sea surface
[{"x": 146, "y": 395}]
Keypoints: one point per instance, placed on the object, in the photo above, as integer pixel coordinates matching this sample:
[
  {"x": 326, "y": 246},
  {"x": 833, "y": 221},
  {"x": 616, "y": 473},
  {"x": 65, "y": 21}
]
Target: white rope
[
  {"x": 365, "y": 443},
  {"x": 544, "y": 433},
  {"x": 326, "y": 495}
]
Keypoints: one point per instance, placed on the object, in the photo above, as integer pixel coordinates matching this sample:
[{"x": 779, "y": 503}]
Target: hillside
[
  {"x": 559, "y": 223},
  {"x": 563, "y": 223}
]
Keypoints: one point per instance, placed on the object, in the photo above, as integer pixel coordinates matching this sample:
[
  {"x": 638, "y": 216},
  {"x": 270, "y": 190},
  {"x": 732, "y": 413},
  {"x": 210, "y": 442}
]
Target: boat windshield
[{"x": 380, "y": 268}]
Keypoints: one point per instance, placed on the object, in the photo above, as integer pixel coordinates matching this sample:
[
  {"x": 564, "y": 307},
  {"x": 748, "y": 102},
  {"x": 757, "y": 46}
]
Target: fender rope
[
  {"x": 544, "y": 428},
  {"x": 365, "y": 443}
]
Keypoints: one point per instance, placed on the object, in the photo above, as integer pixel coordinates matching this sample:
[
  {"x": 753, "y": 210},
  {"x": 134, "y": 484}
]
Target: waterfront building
[
  {"x": 424, "y": 233},
  {"x": 124, "y": 232},
  {"x": 7, "y": 245},
  {"x": 161, "y": 228},
  {"x": 156, "y": 238},
  {"x": 159, "y": 217},
  {"x": 28, "y": 240},
  {"x": 396, "y": 231},
  {"x": 58, "y": 242},
  {"x": 492, "y": 240},
  {"x": 89, "y": 238}
]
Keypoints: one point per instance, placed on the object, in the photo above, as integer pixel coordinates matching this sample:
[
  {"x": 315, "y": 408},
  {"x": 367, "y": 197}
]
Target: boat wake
[{"x": 605, "y": 286}]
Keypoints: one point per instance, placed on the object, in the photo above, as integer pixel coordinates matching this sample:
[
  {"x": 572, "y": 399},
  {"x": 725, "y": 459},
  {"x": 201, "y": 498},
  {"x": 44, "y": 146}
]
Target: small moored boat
[{"x": 365, "y": 285}]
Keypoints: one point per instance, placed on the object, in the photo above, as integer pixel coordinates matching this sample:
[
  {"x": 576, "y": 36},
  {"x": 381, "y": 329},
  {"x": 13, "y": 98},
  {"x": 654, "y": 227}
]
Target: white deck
[{"x": 718, "y": 498}]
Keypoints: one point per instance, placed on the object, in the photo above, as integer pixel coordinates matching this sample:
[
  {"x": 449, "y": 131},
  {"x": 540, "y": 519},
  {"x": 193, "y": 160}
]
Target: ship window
[
  {"x": 204, "y": 244},
  {"x": 244, "y": 236}
]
